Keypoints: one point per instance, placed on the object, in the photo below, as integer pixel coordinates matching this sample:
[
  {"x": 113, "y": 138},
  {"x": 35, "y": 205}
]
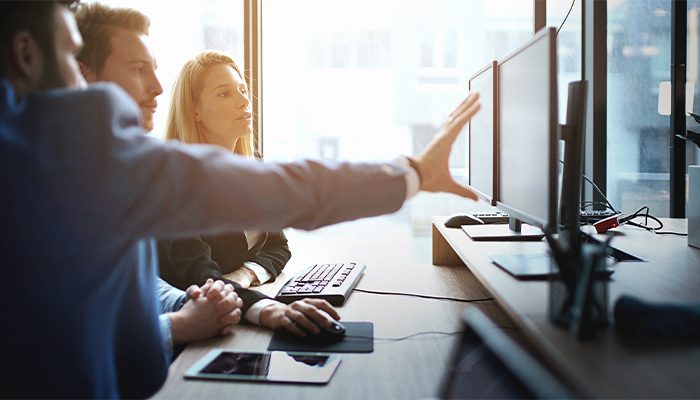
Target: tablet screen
[{"x": 276, "y": 366}]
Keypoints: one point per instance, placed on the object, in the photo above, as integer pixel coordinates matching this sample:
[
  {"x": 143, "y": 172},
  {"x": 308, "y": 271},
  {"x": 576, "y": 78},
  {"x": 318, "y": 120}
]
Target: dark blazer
[{"x": 194, "y": 259}]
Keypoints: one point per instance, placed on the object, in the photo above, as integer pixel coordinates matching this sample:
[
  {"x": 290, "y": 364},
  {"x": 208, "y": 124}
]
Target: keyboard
[
  {"x": 500, "y": 217},
  {"x": 593, "y": 216},
  {"x": 330, "y": 282},
  {"x": 492, "y": 217}
]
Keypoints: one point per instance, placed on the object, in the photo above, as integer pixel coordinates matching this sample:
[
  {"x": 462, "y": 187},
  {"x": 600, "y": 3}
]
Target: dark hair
[
  {"x": 33, "y": 17},
  {"x": 97, "y": 23}
]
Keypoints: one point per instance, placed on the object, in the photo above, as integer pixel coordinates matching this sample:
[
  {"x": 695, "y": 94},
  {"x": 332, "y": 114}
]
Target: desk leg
[{"x": 442, "y": 251}]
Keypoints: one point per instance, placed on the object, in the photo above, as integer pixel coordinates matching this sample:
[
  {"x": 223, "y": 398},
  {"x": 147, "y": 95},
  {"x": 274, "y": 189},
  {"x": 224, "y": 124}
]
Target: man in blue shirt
[{"x": 84, "y": 191}]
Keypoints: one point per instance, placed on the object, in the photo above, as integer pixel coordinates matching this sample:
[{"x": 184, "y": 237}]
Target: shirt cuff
[
  {"x": 412, "y": 178},
  {"x": 253, "y": 313},
  {"x": 167, "y": 334},
  {"x": 261, "y": 273}
]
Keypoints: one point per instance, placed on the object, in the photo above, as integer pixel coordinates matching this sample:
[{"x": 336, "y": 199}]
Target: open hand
[{"x": 433, "y": 162}]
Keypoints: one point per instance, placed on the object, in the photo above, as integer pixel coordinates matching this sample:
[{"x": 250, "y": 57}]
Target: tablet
[{"x": 275, "y": 366}]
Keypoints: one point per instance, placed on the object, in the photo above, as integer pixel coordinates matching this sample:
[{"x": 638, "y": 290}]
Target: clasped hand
[{"x": 210, "y": 310}]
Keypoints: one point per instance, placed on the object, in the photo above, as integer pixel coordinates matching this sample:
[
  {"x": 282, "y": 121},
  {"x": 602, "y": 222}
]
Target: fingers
[
  {"x": 193, "y": 292},
  {"x": 463, "y": 191},
  {"x": 462, "y": 119},
  {"x": 292, "y": 327},
  {"x": 228, "y": 303},
  {"x": 301, "y": 319},
  {"x": 315, "y": 310},
  {"x": 454, "y": 127},
  {"x": 225, "y": 331},
  {"x": 216, "y": 292},
  {"x": 207, "y": 285},
  {"x": 471, "y": 99},
  {"x": 325, "y": 306},
  {"x": 228, "y": 319}
]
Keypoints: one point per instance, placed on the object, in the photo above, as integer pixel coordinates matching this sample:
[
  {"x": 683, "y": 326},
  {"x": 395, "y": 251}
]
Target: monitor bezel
[
  {"x": 548, "y": 34},
  {"x": 493, "y": 66}
]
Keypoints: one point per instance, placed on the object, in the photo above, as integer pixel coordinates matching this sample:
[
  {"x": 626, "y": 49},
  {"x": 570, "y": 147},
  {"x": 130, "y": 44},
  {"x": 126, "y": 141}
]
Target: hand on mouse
[{"x": 298, "y": 316}]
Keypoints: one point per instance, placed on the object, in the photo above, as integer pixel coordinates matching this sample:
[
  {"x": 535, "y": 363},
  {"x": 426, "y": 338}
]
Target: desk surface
[
  {"x": 405, "y": 369},
  {"x": 607, "y": 366}
]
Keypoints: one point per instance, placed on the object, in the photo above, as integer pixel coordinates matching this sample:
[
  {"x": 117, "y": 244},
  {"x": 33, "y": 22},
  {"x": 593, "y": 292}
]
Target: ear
[
  {"x": 88, "y": 73},
  {"x": 28, "y": 58}
]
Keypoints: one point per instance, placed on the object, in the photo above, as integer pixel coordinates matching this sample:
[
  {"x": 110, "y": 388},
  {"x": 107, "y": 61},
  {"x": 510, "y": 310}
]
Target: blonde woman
[{"x": 211, "y": 104}]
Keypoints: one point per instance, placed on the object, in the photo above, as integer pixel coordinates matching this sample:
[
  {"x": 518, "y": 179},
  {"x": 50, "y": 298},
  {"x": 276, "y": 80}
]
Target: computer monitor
[
  {"x": 528, "y": 134},
  {"x": 527, "y": 145},
  {"x": 482, "y": 135}
]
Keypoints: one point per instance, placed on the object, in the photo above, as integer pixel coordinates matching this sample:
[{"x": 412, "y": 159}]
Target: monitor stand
[
  {"x": 515, "y": 231},
  {"x": 535, "y": 266}
]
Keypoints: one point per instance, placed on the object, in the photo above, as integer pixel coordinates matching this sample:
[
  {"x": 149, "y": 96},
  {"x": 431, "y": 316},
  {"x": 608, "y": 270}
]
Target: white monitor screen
[
  {"x": 481, "y": 135},
  {"x": 527, "y": 123}
]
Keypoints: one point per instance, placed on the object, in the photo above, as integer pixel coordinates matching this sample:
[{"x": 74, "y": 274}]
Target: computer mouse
[
  {"x": 457, "y": 220},
  {"x": 333, "y": 334}
]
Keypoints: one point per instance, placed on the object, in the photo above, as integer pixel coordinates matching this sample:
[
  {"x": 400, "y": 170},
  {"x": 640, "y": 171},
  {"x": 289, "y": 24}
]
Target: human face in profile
[
  {"x": 223, "y": 107},
  {"x": 132, "y": 66}
]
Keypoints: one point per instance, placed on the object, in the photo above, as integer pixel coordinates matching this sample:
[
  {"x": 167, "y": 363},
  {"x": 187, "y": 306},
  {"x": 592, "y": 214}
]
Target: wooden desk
[
  {"x": 406, "y": 369},
  {"x": 607, "y": 366}
]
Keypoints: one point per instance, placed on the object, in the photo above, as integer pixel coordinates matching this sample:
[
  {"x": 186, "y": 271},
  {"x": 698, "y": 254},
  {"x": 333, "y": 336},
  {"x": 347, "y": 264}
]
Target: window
[
  {"x": 638, "y": 136},
  {"x": 692, "y": 71},
  {"x": 568, "y": 45},
  {"x": 369, "y": 80},
  {"x": 180, "y": 30}
]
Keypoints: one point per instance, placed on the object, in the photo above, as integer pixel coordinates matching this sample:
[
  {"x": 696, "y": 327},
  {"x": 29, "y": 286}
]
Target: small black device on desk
[
  {"x": 333, "y": 334},
  {"x": 332, "y": 282}
]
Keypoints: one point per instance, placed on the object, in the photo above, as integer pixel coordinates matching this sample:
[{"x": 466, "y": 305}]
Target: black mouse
[
  {"x": 333, "y": 334},
  {"x": 457, "y": 220}
]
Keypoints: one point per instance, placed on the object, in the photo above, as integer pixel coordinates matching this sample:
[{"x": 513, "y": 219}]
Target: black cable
[
  {"x": 642, "y": 213},
  {"x": 671, "y": 233},
  {"x": 588, "y": 203},
  {"x": 610, "y": 206},
  {"x": 567, "y": 16},
  {"x": 424, "y": 296},
  {"x": 600, "y": 192}
]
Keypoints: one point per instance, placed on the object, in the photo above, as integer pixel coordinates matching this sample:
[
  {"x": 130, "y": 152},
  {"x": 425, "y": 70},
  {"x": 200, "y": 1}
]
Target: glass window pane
[
  {"x": 568, "y": 45},
  {"x": 369, "y": 80},
  {"x": 181, "y": 29},
  {"x": 638, "y": 136}
]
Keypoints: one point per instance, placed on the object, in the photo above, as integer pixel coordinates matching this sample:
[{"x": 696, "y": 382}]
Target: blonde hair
[
  {"x": 97, "y": 23},
  {"x": 182, "y": 124}
]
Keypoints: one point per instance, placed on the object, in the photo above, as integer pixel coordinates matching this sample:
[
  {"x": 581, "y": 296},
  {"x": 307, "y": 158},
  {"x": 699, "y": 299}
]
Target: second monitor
[{"x": 527, "y": 142}]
